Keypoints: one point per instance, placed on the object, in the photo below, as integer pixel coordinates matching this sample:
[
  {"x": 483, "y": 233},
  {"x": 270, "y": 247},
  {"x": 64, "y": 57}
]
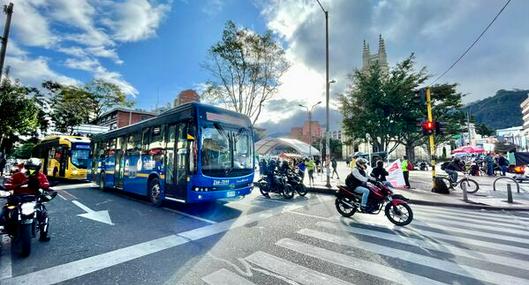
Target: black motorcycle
[
  {"x": 23, "y": 216},
  {"x": 296, "y": 181},
  {"x": 276, "y": 183}
]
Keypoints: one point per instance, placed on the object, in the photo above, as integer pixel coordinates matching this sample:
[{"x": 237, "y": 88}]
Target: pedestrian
[
  {"x": 490, "y": 164},
  {"x": 2, "y": 164},
  {"x": 406, "y": 166},
  {"x": 334, "y": 165},
  {"x": 503, "y": 163},
  {"x": 318, "y": 163},
  {"x": 301, "y": 168},
  {"x": 352, "y": 163},
  {"x": 310, "y": 169}
]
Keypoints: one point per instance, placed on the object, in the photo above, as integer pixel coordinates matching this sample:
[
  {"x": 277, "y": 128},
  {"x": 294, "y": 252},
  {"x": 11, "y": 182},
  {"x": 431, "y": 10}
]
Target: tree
[
  {"x": 246, "y": 68},
  {"x": 71, "y": 106},
  {"x": 105, "y": 96},
  {"x": 18, "y": 115},
  {"x": 23, "y": 151},
  {"x": 335, "y": 147},
  {"x": 483, "y": 130}
]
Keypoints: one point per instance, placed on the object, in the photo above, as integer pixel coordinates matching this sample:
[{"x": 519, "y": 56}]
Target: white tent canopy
[{"x": 276, "y": 146}]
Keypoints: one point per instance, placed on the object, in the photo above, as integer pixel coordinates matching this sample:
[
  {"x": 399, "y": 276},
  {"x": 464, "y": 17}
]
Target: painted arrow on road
[{"x": 99, "y": 216}]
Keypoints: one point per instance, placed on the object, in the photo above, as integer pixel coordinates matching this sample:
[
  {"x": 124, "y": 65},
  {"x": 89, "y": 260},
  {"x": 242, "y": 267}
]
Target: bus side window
[
  {"x": 111, "y": 147},
  {"x": 51, "y": 153},
  {"x": 181, "y": 152},
  {"x": 156, "y": 143},
  {"x": 102, "y": 149},
  {"x": 145, "y": 139},
  {"x": 169, "y": 150},
  {"x": 192, "y": 150},
  {"x": 134, "y": 144}
]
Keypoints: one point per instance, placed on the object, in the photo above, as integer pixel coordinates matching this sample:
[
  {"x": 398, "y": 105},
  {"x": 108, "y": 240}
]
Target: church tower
[
  {"x": 365, "y": 55},
  {"x": 380, "y": 57}
]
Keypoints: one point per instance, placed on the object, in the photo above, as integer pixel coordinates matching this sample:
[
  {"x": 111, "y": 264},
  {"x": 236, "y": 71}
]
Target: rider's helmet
[
  {"x": 284, "y": 165},
  {"x": 361, "y": 163},
  {"x": 33, "y": 165},
  {"x": 457, "y": 159}
]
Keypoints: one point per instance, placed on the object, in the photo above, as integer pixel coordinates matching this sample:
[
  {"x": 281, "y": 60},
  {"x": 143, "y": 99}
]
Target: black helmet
[
  {"x": 33, "y": 165},
  {"x": 361, "y": 163}
]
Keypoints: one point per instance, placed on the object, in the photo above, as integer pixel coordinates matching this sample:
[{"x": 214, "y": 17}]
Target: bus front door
[
  {"x": 176, "y": 155},
  {"x": 120, "y": 163}
]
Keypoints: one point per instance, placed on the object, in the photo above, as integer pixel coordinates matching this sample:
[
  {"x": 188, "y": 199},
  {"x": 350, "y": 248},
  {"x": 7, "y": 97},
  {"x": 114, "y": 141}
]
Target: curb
[{"x": 476, "y": 206}]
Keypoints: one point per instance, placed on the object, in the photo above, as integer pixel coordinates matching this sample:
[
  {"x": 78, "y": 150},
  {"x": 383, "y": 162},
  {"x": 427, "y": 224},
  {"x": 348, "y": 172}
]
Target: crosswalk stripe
[
  {"x": 292, "y": 271},
  {"x": 225, "y": 277},
  {"x": 454, "y": 268},
  {"x": 469, "y": 213},
  {"x": 451, "y": 237},
  {"x": 416, "y": 240},
  {"x": 368, "y": 267},
  {"x": 476, "y": 217},
  {"x": 503, "y": 223},
  {"x": 471, "y": 225}
]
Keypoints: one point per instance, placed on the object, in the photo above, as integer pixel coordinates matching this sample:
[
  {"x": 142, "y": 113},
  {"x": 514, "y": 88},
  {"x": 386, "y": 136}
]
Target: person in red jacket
[{"x": 30, "y": 184}]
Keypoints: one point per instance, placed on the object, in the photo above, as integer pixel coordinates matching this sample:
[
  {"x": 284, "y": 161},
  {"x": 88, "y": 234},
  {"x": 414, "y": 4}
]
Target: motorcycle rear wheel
[
  {"x": 344, "y": 209},
  {"x": 288, "y": 192},
  {"x": 23, "y": 239},
  {"x": 401, "y": 210}
]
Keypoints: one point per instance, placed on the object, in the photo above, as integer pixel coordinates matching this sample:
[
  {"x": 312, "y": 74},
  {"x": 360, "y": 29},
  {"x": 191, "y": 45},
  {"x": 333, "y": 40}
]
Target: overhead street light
[{"x": 310, "y": 124}]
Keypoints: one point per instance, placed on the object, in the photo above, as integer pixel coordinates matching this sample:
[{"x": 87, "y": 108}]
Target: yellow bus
[{"x": 64, "y": 156}]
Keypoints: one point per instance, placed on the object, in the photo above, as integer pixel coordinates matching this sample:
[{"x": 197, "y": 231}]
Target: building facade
[
  {"x": 309, "y": 129},
  {"x": 369, "y": 59},
  {"x": 121, "y": 117},
  {"x": 525, "y": 116}
]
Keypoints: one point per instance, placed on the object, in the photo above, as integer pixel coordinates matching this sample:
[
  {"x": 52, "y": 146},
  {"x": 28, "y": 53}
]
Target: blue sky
[{"x": 151, "y": 47}]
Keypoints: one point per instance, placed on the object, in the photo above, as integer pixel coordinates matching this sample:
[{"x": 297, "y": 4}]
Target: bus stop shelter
[{"x": 278, "y": 146}]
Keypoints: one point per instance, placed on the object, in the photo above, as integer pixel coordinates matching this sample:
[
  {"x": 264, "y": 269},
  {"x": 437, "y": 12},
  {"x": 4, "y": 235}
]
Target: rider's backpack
[
  {"x": 444, "y": 164},
  {"x": 440, "y": 186}
]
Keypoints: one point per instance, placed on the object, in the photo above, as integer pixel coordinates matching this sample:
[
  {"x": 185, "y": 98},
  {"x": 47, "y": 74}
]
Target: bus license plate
[{"x": 230, "y": 194}]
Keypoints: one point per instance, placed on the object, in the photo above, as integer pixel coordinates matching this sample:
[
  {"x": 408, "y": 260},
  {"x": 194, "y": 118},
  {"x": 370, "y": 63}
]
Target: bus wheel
[
  {"x": 155, "y": 192},
  {"x": 102, "y": 181}
]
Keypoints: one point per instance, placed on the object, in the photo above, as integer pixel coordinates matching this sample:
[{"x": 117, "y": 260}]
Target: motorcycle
[
  {"x": 277, "y": 183},
  {"x": 296, "y": 181},
  {"x": 24, "y": 216},
  {"x": 396, "y": 210}
]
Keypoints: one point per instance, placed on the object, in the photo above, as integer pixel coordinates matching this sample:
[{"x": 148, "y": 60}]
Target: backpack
[
  {"x": 410, "y": 166},
  {"x": 444, "y": 164},
  {"x": 440, "y": 186}
]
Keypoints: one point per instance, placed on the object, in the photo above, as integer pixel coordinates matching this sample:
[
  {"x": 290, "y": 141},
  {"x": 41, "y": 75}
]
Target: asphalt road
[{"x": 257, "y": 240}]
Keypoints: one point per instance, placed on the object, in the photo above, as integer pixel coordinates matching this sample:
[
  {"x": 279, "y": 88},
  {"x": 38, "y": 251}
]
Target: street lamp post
[
  {"x": 310, "y": 124},
  {"x": 327, "y": 83}
]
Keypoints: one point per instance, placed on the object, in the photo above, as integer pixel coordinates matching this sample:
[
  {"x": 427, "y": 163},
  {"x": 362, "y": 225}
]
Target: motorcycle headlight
[{"x": 28, "y": 208}]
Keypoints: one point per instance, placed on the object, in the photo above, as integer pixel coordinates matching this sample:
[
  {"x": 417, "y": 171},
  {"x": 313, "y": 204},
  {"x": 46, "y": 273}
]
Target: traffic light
[
  {"x": 428, "y": 127},
  {"x": 440, "y": 128},
  {"x": 420, "y": 97}
]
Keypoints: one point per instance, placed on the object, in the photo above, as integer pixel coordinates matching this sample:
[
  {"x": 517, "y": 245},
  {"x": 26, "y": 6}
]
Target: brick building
[
  {"x": 120, "y": 117},
  {"x": 186, "y": 96},
  {"x": 309, "y": 128}
]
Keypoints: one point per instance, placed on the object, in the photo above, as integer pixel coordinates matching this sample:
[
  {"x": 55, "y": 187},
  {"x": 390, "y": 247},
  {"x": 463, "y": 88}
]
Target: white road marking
[
  {"x": 475, "y": 225},
  {"x": 439, "y": 264},
  {"x": 292, "y": 271},
  {"x": 416, "y": 240},
  {"x": 99, "y": 216},
  {"x": 74, "y": 269},
  {"x": 371, "y": 268},
  {"x": 62, "y": 197},
  {"x": 6, "y": 268},
  {"x": 190, "y": 216},
  {"x": 69, "y": 194},
  {"x": 477, "y": 217},
  {"x": 469, "y": 213},
  {"x": 505, "y": 223},
  {"x": 312, "y": 216},
  {"x": 225, "y": 277}
]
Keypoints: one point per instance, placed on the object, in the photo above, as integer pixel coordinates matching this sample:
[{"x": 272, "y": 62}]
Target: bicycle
[{"x": 470, "y": 184}]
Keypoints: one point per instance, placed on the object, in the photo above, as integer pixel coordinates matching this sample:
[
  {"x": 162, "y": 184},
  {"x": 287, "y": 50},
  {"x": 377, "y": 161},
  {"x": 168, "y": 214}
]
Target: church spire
[
  {"x": 382, "y": 57},
  {"x": 365, "y": 55}
]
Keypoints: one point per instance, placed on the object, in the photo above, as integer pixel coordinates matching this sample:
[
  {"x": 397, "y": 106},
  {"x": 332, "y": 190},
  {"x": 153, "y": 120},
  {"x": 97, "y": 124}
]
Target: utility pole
[{"x": 8, "y": 9}]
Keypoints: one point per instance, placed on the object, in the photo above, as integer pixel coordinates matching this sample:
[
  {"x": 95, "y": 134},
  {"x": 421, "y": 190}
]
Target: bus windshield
[
  {"x": 80, "y": 155},
  {"x": 226, "y": 151}
]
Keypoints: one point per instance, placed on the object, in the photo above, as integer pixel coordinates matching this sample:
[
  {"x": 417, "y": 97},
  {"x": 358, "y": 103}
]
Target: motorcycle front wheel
[
  {"x": 302, "y": 190},
  {"x": 263, "y": 189},
  {"x": 23, "y": 239},
  {"x": 399, "y": 215},
  {"x": 344, "y": 209},
  {"x": 288, "y": 192}
]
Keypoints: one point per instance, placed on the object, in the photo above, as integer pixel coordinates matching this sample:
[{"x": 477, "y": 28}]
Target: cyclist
[{"x": 453, "y": 167}]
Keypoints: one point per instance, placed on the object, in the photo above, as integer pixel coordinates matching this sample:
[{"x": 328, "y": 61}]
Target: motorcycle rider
[
  {"x": 453, "y": 167},
  {"x": 22, "y": 184},
  {"x": 357, "y": 180}
]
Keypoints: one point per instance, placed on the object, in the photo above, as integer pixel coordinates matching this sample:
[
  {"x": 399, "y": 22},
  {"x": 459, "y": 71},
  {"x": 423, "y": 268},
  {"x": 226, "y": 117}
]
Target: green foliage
[
  {"x": 105, "y": 96},
  {"x": 335, "y": 147},
  {"x": 19, "y": 112},
  {"x": 499, "y": 111},
  {"x": 23, "y": 151},
  {"x": 483, "y": 130},
  {"x": 246, "y": 67}
]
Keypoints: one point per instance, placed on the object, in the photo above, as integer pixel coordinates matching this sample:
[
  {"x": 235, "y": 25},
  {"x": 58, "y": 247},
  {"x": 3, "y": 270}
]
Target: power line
[{"x": 474, "y": 43}]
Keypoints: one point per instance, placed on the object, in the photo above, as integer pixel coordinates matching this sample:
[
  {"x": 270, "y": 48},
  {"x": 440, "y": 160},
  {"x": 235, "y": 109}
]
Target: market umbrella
[{"x": 468, "y": 149}]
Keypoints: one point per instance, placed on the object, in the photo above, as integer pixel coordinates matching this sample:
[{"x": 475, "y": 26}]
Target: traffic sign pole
[{"x": 432, "y": 135}]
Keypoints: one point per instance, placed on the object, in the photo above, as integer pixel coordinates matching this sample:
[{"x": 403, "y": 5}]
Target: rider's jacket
[
  {"x": 356, "y": 178},
  {"x": 21, "y": 184}
]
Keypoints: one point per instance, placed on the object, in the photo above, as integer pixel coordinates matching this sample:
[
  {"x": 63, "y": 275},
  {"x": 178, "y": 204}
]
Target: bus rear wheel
[
  {"x": 155, "y": 192},
  {"x": 102, "y": 181}
]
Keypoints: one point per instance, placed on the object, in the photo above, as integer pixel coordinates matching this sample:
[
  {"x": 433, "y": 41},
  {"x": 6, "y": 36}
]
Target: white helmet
[{"x": 361, "y": 163}]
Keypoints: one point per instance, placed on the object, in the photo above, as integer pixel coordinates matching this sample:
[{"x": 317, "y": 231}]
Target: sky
[{"x": 155, "y": 49}]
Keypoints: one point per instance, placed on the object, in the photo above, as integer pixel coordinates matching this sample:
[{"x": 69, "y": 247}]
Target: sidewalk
[{"x": 421, "y": 193}]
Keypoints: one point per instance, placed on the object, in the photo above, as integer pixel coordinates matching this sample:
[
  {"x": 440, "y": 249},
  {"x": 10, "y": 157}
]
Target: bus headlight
[{"x": 75, "y": 172}]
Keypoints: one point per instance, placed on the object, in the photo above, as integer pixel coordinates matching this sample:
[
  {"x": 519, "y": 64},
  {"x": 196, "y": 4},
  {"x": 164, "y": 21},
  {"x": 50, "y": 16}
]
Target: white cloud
[
  {"x": 137, "y": 19},
  {"x": 30, "y": 26},
  {"x": 212, "y": 7},
  {"x": 34, "y": 71}
]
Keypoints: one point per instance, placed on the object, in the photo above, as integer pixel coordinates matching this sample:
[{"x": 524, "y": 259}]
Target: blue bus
[{"x": 192, "y": 153}]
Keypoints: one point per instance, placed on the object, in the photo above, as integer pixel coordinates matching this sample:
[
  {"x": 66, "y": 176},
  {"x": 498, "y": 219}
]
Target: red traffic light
[{"x": 428, "y": 127}]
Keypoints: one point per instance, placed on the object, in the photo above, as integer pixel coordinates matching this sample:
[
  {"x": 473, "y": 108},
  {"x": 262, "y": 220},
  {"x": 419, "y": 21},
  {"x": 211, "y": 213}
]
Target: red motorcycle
[{"x": 397, "y": 209}]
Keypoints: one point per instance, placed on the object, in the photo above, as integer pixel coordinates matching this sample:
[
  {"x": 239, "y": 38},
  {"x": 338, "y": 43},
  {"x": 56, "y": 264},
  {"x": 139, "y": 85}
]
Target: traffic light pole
[{"x": 432, "y": 135}]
